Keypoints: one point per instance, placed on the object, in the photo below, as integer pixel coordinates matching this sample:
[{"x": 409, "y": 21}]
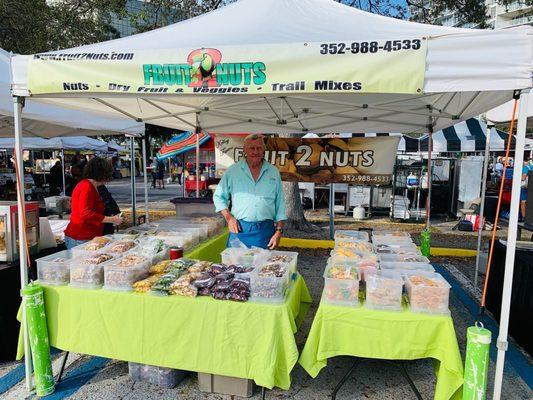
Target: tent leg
[
  {"x": 501, "y": 343},
  {"x": 145, "y": 179},
  {"x": 482, "y": 205},
  {"x": 63, "y": 169},
  {"x": 133, "y": 191},
  {"x": 331, "y": 211},
  {"x": 18, "y": 104},
  {"x": 428, "y": 200},
  {"x": 197, "y": 164}
]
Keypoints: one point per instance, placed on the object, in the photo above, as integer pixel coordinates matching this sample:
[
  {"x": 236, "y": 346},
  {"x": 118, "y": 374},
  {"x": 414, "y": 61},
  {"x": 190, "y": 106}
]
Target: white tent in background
[
  {"x": 286, "y": 66},
  {"x": 503, "y": 113},
  {"x": 115, "y": 147}
]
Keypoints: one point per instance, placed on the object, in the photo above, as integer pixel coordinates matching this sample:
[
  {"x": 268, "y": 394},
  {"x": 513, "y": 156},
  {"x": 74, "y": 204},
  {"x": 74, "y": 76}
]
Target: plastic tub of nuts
[
  {"x": 121, "y": 273},
  {"x": 88, "y": 271},
  {"x": 384, "y": 291},
  {"x": 55, "y": 268}
]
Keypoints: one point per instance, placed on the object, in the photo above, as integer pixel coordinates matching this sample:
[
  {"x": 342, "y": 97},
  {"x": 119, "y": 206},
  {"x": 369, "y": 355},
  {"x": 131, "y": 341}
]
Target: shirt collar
[{"x": 246, "y": 169}]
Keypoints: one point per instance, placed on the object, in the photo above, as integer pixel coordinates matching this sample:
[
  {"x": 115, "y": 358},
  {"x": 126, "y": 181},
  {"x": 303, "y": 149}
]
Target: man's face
[{"x": 254, "y": 151}]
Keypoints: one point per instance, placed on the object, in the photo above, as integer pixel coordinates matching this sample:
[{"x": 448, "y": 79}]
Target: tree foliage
[{"x": 34, "y": 26}]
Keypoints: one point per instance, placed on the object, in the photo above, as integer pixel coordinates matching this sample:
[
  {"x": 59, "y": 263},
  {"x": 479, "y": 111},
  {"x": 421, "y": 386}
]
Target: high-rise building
[{"x": 498, "y": 16}]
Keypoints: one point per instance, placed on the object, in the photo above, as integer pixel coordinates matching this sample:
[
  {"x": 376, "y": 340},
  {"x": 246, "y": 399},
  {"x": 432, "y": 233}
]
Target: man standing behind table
[{"x": 257, "y": 203}]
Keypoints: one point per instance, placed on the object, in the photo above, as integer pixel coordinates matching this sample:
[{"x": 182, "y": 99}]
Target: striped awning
[
  {"x": 468, "y": 136},
  {"x": 182, "y": 143},
  {"x": 407, "y": 144}
]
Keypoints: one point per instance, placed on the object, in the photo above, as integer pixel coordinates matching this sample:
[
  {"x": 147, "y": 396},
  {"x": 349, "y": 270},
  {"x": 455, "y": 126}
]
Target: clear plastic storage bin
[
  {"x": 288, "y": 257},
  {"x": 88, "y": 271},
  {"x": 55, "y": 268},
  {"x": 384, "y": 291},
  {"x": 341, "y": 285},
  {"x": 392, "y": 248},
  {"x": 173, "y": 239},
  {"x": 92, "y": 246},
  {"x": 267, "y": 287},
  {"x": 359, "y": 236},
  {"x": 415, "y": 266},
  {"x": 351, "y": 257},
  {"x": 416, "y": 258},
  {"x": 390, "y": 234},
  {"x": 120, "y": 247},
  {"x": 241, "y": 256},
  {"x": 362, "y": 267},
  {"x": 160, "y": 376},
  {"x": 122, "y": 273},
  {"x": 427, "y": 293}
]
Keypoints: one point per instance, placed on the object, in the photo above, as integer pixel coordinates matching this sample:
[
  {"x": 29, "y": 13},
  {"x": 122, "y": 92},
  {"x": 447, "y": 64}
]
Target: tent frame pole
[
  {"x": 331, "y": 211},
  {"x": 198, "y": 130},
  {"x": 18, "y": 104},
  {"x": 482, "y": 204},
  {"x": 501, "y": 342},
  {"x": 429, "y": 180},
  {"x": 133, "y": 191},
  {"x": 63, "y": 171},
  {"x": 145, "y": 181}
]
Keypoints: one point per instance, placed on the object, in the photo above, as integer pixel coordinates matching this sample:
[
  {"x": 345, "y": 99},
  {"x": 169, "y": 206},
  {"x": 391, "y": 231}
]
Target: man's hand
[
  {"x": 233, "y": 224},
  {"x": 274, "y": 241}
]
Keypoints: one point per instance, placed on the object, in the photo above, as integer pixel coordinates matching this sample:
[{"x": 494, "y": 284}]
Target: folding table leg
[
  {"x": 263, "y": 393},
  {"x": 344, "y": 379},
  {"x": 409, "y": 380},
  {"x": 63, "y": 363}
]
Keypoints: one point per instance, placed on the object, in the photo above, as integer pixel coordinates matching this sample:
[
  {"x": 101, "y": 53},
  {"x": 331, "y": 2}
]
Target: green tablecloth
[
  {"x": 360, "y": 332},
  {"x": 244, "y": 340}
]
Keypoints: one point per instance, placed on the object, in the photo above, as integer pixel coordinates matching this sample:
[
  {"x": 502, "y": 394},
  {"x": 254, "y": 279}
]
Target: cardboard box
[{"x": 225, "y": 385}]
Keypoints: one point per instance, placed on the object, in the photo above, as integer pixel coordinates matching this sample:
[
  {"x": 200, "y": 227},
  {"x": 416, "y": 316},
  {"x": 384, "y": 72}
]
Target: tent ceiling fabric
[
  {"x": 44, "y": 120},
  {"x": 467, "y": 72}
]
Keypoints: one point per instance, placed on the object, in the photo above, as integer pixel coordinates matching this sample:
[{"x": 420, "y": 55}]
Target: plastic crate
[
  {"x": 384, "y": 291},
  {"x": 55, "y": 268},
  {"x": 160, "y": 376},
  {"x": 86, "y": 274},
  {"x": 341, "y": 286},
  {"x": 427, "y": 293},
  {"x": 119, "y": 275}
]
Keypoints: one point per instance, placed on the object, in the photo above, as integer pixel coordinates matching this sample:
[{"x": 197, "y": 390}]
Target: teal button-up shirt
[{"x": 251, "y": 201}]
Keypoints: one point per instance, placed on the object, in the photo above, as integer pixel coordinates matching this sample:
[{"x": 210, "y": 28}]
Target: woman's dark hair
[{"x": 98, "y": 169}]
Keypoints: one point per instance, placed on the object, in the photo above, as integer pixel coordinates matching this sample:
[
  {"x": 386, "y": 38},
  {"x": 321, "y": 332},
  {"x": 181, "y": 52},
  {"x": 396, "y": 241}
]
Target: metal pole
[
  {"x": 145, "y": 179},
  {"x": 428, "y": 200},
  {"x": 18, "y": 104},
  {"x": 133, "y": 191},
  {"x": 63, "y": 169},
  {"x": 482, "y": 205},
  {"x": 501, "y": 343},
  {"x": 331, "y": 211},
  {"x": 198, "y": 130}
]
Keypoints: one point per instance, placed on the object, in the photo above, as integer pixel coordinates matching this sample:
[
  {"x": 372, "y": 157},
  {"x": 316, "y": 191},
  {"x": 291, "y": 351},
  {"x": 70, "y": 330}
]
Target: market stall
[{"x": 303, "y": 69}]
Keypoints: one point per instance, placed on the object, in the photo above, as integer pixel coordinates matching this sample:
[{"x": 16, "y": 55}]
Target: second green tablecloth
[{"x": 360, "y": 332}]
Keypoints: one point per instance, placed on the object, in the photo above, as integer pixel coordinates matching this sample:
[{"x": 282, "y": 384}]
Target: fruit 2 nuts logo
[{"x": 205, "y": 73}]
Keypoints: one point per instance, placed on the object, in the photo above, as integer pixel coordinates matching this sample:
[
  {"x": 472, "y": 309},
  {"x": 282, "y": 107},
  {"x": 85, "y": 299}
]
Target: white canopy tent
[
  {"x": 464, "y": 73},
  {"x": 502, "y": 114}
]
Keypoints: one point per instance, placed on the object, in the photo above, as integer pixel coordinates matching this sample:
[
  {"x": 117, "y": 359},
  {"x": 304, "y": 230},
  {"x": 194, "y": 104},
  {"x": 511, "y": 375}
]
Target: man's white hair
[{"x": 254, "y": 136}]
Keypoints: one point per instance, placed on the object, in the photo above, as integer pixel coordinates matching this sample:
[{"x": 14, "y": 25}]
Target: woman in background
[{"x": 87, "y": 217}]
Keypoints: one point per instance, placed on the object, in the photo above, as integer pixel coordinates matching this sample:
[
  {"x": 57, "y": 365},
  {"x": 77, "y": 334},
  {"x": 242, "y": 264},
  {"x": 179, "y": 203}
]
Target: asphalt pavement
[{"x": 121, "y": 191}]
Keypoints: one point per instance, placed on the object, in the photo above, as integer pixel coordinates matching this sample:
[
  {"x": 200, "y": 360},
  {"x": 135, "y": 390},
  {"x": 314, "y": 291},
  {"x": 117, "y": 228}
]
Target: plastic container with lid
[
  {"x": 344, "y": 255},
  {"x": 266, "y": 286},
  {"x": 390, "y": 234},
  {"x": 289, "y": 257},
  {"x": 396, "y": 248},
  {"x": 160, "y": 376},
  {"x": 88, "y": 271},
  {"x": 341, "y": 285},
  {"x": 121, "y": 273},
  {"x": 173, "y": 239},
  {"x": 362, "y": 267},
  {"x": 242, "y": 256},
  {"x": 120, "y": 247},
  {"x": 416, "y": 266},
  {"x": 384, "y": 291},
  {"x": 95, "y": 245},
  {"x": 359, "y": 236},
  {"x": 427, "y": 293},
  {"x": 395, "y": 257},
  {"x": 55, "y": 268}
]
